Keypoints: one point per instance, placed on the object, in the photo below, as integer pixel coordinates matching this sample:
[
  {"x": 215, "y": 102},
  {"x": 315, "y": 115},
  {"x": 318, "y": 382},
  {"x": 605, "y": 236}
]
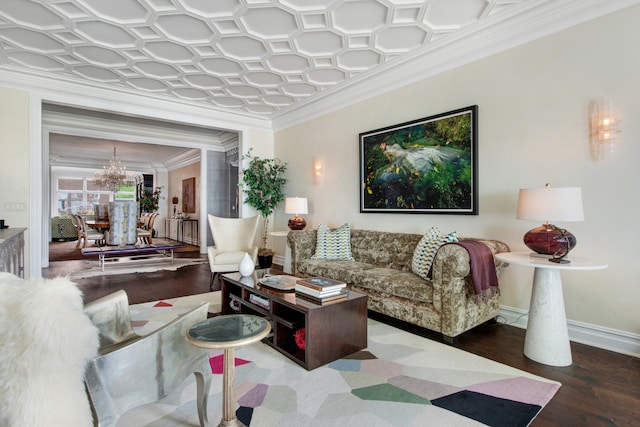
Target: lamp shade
[
  {"x": 550, "y": 204},
  {"x": 296, "y": 205}
]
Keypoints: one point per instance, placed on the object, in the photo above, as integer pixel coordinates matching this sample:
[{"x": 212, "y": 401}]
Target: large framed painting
[{"x": 423, "y": 166}]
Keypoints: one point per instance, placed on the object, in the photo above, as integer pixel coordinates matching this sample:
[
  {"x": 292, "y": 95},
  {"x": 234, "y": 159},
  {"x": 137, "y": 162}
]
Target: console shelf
[{"x": 332, "y": 331}]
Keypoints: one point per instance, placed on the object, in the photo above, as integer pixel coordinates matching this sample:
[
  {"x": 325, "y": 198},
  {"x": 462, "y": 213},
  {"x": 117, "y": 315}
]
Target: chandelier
[{"x": 112, "y": 176}]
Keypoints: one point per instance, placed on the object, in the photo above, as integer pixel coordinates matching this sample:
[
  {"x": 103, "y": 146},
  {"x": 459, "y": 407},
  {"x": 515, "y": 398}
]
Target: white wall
[
  {"x": 533, "y": 128},
  {"x": 14, "y": 146}
]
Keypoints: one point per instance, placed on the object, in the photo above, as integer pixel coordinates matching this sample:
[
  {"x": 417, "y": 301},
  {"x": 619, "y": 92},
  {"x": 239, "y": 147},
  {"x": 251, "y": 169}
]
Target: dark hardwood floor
[{"x": 601, "y": 388}]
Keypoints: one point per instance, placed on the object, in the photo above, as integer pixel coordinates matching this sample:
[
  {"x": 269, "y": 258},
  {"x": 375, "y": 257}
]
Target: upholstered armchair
[
  {"x": 123, "y": 222},
  {"x": 232, "y": 238},
  {"x": 132, "y": 370},
  {"x": 46, "y": 341},
  {"x": 63, "y": 228}
]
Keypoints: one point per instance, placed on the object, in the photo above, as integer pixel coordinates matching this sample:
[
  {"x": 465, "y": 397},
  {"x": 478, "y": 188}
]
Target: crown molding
[
  {"x": 113, "y": 129},
  {"x": 517, "y": 25},
  {"x": 63, "y": 90},
  {"x": 184, "y": 159}
]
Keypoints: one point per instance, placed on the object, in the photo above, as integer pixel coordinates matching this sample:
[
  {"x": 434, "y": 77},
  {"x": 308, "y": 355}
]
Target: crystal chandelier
[{"x": 113, "y": 175}]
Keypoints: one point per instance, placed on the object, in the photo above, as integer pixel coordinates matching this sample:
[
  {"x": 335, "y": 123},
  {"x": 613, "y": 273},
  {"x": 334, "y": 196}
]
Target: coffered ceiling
[{"x": 266, "y": 58}]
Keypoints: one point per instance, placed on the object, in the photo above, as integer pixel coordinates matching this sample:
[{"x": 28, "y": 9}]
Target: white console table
[
  {"x": 547, "y": 337},
  {"x": 12, "y": 250}
]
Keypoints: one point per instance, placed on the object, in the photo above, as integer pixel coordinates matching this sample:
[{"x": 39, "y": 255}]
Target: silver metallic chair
[
  {"x": 232, "y": 237},
  {"x": 131, "y": 370}
]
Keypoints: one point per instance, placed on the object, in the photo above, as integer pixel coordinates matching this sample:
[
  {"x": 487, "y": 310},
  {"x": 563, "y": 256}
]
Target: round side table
[
  {"x": 547, "y": 337},
  {"x": 228, "y": 332}
]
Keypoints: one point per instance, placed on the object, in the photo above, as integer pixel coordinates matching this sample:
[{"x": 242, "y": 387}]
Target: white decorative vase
[{"x": 246, "y": 265}]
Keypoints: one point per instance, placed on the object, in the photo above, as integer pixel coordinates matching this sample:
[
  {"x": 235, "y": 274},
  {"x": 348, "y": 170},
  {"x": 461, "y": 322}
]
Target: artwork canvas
[
  {"x": 189, "y": 195},
  {"x": 423, "y": 166}
]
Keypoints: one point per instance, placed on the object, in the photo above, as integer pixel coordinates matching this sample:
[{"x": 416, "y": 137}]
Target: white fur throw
[{"x": 45, "y": 343}]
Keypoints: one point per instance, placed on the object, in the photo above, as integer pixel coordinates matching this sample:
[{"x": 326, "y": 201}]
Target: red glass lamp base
[
  {"x": 549, "y": 240},
  {"x": 297, "y": 223}
]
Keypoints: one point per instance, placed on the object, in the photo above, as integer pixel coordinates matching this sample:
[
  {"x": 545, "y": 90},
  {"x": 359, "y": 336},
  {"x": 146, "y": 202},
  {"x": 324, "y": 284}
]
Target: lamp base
[
  {"x": 297, "y": 223},
  {"x": 550, "y": 240}
]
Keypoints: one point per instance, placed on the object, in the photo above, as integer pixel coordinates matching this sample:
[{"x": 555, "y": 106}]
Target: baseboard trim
[{"x": 583, "y": 333}]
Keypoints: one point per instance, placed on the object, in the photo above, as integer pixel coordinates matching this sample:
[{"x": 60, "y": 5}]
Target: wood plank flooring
[{"x": 601, "y": 388}]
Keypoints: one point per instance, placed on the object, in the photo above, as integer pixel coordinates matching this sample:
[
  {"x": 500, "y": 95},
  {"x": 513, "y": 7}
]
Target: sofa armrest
[
  {"x": 452, "y": 287},
  {"x": 303, "y": 245}
]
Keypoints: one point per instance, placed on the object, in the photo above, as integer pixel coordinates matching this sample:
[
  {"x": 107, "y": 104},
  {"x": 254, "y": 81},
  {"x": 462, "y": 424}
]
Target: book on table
[
  {"x": 315, "y": 293},
  {"x": 341, "y": 295},
  {"x": 321, "y": 284}
]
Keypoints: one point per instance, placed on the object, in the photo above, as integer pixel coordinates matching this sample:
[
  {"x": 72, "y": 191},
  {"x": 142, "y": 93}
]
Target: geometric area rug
[{"x": 400, "y": 379}]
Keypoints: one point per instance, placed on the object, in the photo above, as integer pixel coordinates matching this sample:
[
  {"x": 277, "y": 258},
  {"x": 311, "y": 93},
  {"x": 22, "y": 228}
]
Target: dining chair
[
  {"x": 86, "y": 233},
  {"x": 145, "y": 233},
  {"x": 232, "y": 238},
  {"x": 123, "y": 222}
]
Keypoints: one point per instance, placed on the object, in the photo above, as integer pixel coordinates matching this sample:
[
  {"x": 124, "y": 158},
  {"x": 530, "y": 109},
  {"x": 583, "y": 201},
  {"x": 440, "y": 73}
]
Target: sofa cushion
[
  {"x": 333, "y": 244},
  {"x": 337, "y": 270},
  {"x": 426, "y": 249},
  {"x": 402, "y": 284}
]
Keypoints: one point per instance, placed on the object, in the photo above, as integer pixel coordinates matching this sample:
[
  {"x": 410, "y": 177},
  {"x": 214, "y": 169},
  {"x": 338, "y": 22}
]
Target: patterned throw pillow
[
  {"x": 426, "y": 250},
  {"x": 333, "y": 244}
]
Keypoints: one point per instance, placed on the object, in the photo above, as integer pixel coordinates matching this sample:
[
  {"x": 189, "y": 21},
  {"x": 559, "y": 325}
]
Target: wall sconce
[
  {"x": 318, "y": 171},
  {"x": 605, "y": 127}
]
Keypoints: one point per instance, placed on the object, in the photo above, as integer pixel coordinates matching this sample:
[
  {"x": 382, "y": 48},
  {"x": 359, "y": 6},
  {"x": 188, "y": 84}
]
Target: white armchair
[{"x": 232, "y": 238}]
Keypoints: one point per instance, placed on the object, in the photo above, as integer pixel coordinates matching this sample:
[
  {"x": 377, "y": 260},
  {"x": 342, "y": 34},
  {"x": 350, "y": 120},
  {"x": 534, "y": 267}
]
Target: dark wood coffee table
[{"x": 332, "y": 331}]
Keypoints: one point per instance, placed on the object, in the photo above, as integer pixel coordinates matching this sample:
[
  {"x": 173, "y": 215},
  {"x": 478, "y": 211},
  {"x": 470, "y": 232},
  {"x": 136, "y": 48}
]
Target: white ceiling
[{"x": 269, "y": 59}]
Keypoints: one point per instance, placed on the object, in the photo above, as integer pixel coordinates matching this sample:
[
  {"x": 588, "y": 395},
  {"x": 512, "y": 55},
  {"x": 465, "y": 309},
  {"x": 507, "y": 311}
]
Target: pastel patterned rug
[{"x": 400, "y": 380}]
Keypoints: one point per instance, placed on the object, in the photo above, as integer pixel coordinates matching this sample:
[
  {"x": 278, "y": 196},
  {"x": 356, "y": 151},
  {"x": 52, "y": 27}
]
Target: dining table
[
  {"x": 99, "y": 224},
  {"x": 103, "y": 224}
]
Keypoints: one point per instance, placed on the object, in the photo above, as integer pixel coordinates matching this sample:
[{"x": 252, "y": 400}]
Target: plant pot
[{"x": 265, "y": 261}]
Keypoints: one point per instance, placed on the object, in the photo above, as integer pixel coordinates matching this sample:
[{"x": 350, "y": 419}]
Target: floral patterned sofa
[{"x": 382, "y": 269}]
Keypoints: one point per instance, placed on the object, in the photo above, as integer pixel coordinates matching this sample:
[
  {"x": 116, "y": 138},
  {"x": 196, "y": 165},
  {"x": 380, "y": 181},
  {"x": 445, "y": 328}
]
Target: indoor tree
[{"x": 263, "y": 184}]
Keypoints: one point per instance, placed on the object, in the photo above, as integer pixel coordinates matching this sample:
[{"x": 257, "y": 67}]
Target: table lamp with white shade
[
  {"x": 296, "y": 206},
  {"x": 550, "y": 204}
]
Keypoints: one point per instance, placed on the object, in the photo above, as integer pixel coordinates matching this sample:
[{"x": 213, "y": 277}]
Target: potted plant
[
  {"x": 263, "y": 184},
  {"x": 149, "y": 200}
]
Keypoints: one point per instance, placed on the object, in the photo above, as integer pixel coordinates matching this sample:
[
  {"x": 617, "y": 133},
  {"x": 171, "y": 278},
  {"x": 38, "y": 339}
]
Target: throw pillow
[
  {"x": 333, "y": 244},
  {"x": 426, "y": 249}
]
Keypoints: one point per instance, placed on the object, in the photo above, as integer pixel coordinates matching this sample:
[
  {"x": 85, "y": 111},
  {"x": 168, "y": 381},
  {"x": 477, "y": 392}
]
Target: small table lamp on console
[
  {"x": 296, "y": 206},
  {"x": 550, "y": 204},
  {"x": 174, "y": 200}
]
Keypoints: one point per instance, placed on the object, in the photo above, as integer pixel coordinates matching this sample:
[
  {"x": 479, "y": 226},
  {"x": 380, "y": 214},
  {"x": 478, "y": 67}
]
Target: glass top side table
[{"x": 228, "y": 332}]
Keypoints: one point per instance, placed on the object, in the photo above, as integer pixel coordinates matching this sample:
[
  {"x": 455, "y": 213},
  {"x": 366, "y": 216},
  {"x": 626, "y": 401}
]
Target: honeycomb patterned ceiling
[
  {"x": 260, "y": 58},
  {"x": 256, "y": 57}
]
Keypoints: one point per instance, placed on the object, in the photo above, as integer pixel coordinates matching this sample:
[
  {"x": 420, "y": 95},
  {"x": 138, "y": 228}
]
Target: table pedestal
[
  {"x": 547, "y": 338},
  {"x": 229, "y": 332},
  {"x": 228, "y": 391}
]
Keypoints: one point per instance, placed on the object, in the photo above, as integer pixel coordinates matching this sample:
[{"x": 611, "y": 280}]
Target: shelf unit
[{"x": 332, "y": 330}]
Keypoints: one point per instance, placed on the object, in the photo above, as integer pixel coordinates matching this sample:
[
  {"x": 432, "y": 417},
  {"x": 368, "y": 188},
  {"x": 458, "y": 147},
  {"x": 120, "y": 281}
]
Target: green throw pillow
[
  {"x": 426, "y": 250},
  {"x": 333, "y": 244}
]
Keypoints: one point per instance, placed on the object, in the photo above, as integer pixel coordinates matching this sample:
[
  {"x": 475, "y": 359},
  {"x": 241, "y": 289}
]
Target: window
[{"x": 79, "y": 195}]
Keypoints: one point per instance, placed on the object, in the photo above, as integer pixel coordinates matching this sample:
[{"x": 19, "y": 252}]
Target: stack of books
[{"x": 321, "y": 290}]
